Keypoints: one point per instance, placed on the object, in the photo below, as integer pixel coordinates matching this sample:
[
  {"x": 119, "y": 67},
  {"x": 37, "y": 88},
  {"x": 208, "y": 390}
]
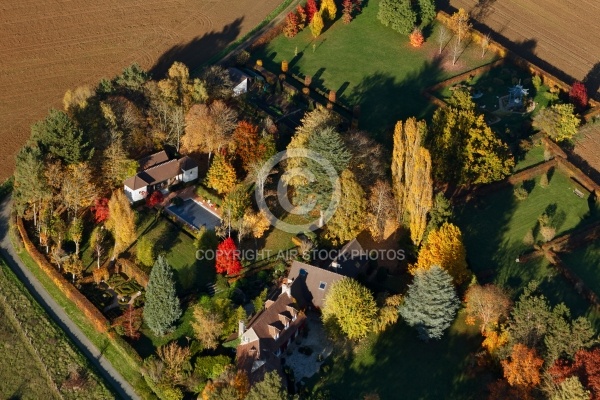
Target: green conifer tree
[{"x": 162, "y": 307}]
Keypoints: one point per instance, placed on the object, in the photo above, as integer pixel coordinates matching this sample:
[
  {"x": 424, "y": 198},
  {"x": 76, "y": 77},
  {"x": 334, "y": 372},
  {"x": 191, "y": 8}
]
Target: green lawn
[
  {"x": 494, "y": 227},
  {"x": 584, "y": 261},
  {"x": 371, "y": 65},
  {"x": 531, "y": 158},
  {"x": 396, "y": 364},
  {"x": 178, "y": 246}
]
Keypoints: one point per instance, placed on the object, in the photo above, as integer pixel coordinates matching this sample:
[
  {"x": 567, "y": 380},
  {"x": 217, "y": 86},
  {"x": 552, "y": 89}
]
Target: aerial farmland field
[
  {"x": 557, "y": 35},
  {"x": 49, "y": 47}
]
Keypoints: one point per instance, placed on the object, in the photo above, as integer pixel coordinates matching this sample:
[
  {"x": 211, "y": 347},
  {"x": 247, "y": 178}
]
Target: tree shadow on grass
[
  {"x": 198, "y": 51},
  {"x": 384, "y": 101}
]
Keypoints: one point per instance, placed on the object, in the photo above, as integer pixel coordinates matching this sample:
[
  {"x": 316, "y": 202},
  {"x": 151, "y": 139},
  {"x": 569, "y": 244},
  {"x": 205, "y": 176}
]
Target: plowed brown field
[
  {"x": 47, "y": 47},
  {"x": 560, "y": 36}
]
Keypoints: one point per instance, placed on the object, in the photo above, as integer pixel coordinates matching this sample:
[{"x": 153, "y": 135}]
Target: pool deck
[{"x": 189, "y": 193}]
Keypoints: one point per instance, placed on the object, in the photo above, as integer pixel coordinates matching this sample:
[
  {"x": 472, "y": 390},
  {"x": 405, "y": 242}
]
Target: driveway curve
[{"x": 118, "y": 384}]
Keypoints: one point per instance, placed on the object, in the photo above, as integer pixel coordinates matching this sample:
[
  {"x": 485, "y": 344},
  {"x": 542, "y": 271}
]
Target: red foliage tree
[
  {"x": 348, "y": 7},
  {"x": 311, "y": 9},
  {"x": 155, "y": 198},
  {"x": 228, "y": 258},
  {"x": 301, "y": 17},
  {"x": 248, "y": 145},
  {"x": 292, "y": 27},
  {"x": 130, "y": 322},
  {"x": 100, "y": 210},
  {"x": 416, "y": 38},
  {"x": 586, "y": 367},
  {"x": 578, "y": 96}
]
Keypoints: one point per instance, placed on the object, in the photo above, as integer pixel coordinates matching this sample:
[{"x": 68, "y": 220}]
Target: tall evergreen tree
[
  {"x": 431, "y": 303},
  {"x": 60, "y": 137},
  {"x": 426, "y": 11},
  {"x": 397, "y": 14},
  {"x": 162, "y": 307},
  {"x": 270, "y": 388},
  {"x": 439, "y": 214}
]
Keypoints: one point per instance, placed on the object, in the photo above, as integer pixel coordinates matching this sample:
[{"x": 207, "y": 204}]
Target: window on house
[{"x": 322, "y": 285}]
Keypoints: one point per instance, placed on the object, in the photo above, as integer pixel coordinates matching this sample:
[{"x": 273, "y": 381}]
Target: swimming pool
[{"x": 194, "y": 214}]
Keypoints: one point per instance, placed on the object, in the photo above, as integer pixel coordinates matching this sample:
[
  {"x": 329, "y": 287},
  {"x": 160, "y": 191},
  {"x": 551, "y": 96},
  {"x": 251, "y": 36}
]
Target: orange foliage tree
[
  {"x": 523, "y": 367},
  {"x": 416, "y": 38}
]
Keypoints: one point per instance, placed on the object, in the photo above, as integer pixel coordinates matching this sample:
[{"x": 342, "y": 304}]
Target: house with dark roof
[
  {"x": 268, "y": 334},
  {"x": 158, "y": 172}
]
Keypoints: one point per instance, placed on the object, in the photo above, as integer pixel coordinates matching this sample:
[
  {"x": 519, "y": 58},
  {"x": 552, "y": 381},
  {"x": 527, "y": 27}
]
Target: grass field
[
  {"x": 584, "y": 262},
  {"x": 37, "y": 357},
  {"x": 371, "y": 65},
  {"x": 396, "y": 364},
  {"x": 494, "y": 227},
  {"x": 119, "y": 359}
]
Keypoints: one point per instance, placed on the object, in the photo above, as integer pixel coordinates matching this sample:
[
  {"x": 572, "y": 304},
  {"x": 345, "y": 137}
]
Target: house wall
[
  {"x": 250, "y": 335},
  {"x": 241, "y": 88},
  {"x": 136, "y": 195},
  {"x": 189, "y": 175}
]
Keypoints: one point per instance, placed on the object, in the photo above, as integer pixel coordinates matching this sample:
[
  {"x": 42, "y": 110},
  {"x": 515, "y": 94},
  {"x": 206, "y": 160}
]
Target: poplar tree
[
  {"x": 349, "y": 217},
  {"x": 121, "y": 222}
]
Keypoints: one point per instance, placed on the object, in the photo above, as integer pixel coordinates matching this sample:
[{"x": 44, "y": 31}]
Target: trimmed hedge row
[
  {"x": 101, "y": 324},
  {"x": 133, "y": 271}
]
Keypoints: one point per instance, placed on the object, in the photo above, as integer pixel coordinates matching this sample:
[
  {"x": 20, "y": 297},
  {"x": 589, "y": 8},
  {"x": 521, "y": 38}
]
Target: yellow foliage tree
[
  {"x": 411, "y": 176},
  {"x": 317, "y": 24},
  {"x": 329, "y": 9},
  {"x": 221, "y": 175},
  {"x": 459, "y": 23},
  {"x": 444, "y": 247},
  {"x": 121, "y": 221},
  {"x": 494, "y": 340}
]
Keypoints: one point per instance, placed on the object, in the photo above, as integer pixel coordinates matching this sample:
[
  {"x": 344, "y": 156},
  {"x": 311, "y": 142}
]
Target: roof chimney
[
  {"x": 241, "y": 328},
  {"x": 286, "y": 288}
]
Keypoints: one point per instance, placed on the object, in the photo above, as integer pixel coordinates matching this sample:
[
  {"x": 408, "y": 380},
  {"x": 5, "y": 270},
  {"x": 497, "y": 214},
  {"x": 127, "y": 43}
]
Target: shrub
[
  {"x": 155, "y": 198},
  {"x": 578, "y": 96},
  {"x": 529, "y": 240},
  {"x": 558, "y": 121},
  {"x": 536, "y": 81},
  {"x": 548, "y": 232},
  {"x": 521, "y": 193},
  {"x": 416, "y": 38},
  {"x": 145, "y": 251},
  {"x": 544, "y": 180}
]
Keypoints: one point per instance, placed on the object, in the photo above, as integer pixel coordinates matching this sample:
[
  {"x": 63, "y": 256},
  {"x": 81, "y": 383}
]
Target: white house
[
  {"x": 158, "y": 172},
  {"x": 240, "y": 81}
]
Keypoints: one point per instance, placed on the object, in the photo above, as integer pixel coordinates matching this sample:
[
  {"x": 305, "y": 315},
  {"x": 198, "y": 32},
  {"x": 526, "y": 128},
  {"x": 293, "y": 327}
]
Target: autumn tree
[
  {"x": 485, "y": 44},
  {"x": 121, "y": 222},
  {"x": 257, "y": 223},
  {"x": 347, "y": 10},
  {"x": 558, "y": 121},
  {"x": 77, "y": 190},
  {"x": 416, "y": 38},
  {"x": 348, "y": 219},
  {"x": 411, "y": 176},
  {"x": 351, "y": 307},
  {"x": 221, "y": 175},
  {"x": 570, "y": 389},
  {"x": 369, "y": 159},
  {"x": 207, "y": 327},
  {"x": 116, "y": 166},
  {"x": 431, "y": 303},
  {"x": 523, "y": 367},
  {"x": 76, "y": 232},
  {"x": 208, "y": 128},
  {"x": 247, "y": 144},
  {"x": 30, "y": 187},
  {"x": 271, "y": 387},
  {"x": 145, "y": 251},
  {"x": 74, "y": 266},
  {"x": 329, "y": 9},
  {"x": 486, "y": 304},
  {"x": 311, "y": 9},
  {"x": 387, "y": 314},
  {"x": 316, "y": 24},
  {"x": 162, "y": 307},
  {"x": 444, "y": 248},
  {"x": 179, "y": 90},
  {"x": 426, "y": 11},
  {"x": 463, "y": 147},
  {"x": 217, "y": 81},
  {"x": 100, "y": 209},
  {"x": 97, "y": 243},
  {"x": 584, "y": 366},
  {"x": 381, "y": 209},
  {"x": 460, "y": 24},
  {"x": 442, "y": 37},
  {"x": 578, "y": 96},
  {"x": 155, "y": 198},
  {"x": 228, "y": 258},
  {"x": 397, "y": 14},
  {"x": 130, "y": 322},
  {"x": 176, "y": 360},
  {"x": 291, "y": 27}
]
